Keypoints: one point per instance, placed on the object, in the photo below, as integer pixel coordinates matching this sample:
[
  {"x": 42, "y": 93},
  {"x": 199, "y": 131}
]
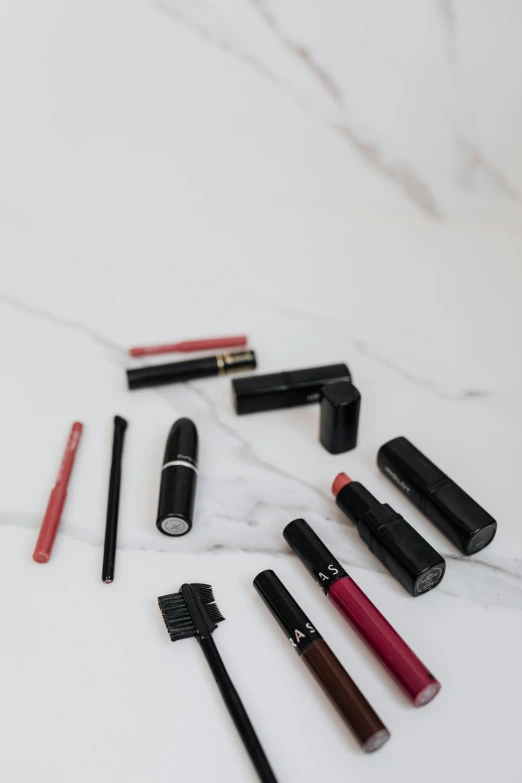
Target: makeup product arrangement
[{"x": 409, "y": 558}]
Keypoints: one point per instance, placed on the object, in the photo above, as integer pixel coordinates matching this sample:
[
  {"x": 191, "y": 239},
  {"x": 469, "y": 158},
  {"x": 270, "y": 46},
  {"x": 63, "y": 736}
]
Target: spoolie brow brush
[{"x": 194, "y": 612}]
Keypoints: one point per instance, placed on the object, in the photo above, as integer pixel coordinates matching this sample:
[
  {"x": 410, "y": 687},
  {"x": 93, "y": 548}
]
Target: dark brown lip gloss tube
[
  {"x": 366, "y": 725},
  {"x": 190, "y": 370}
]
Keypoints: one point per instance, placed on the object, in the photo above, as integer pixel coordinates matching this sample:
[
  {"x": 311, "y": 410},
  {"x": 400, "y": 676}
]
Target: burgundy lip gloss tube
[
  {"x": 351, "y": 704},
  {"x": 405, "y": 553},
  {"x": 381, "y": 638}
]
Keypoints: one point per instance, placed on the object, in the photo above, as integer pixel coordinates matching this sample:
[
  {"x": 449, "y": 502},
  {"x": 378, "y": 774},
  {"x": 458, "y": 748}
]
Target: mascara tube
[
  {"x": 404, "y": 552},
  {"x": 382, "y": 639},
  {"x": 453, "y": 511},
  {"x": 190, "y": 370},
  {"x": 304, "y": 637},
  {"x": 178, "y": 479}
]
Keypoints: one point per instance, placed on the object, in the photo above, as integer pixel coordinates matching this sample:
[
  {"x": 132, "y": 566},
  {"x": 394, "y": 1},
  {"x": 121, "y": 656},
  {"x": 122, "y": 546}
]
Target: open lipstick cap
[{"x": 339, "y": 419}]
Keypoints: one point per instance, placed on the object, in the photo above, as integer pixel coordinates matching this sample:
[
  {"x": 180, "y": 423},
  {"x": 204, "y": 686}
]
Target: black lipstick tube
[
  {"x": 178, "y": 479},
  {"x": 405, "y": 553},
  {"x": 178, "y": 372},
  {"x": 285, "y": 389},
  {"x": 453, "y": 511}
]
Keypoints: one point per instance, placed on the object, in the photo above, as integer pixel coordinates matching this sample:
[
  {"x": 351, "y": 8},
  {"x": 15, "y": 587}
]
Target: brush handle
[
  {"x": 237, "y": 711},
  {"x": 113, "y": 502}
]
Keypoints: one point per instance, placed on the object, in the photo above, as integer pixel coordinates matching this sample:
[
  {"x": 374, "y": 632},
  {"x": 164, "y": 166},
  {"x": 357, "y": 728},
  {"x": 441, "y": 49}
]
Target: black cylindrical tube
[
  {"x": 292, "y": 620},
  {"x": 178, "y": 479},
  {"x": 190, "y": 370},
  {"x": 404, "y": 552},
  {"x": 339, "y": 417},
  {"x": 113, "y": 501},
  {"x": 317, "y": 559},
  {"x": 453, "y": 511}
]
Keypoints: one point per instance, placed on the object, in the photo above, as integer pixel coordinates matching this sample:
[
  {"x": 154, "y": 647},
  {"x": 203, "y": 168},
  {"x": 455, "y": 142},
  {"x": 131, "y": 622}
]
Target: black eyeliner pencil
[{"x": 113, "y": 502}]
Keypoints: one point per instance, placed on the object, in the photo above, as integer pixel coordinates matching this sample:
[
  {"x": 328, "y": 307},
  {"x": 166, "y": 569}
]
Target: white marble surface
[{"x": 341, "y": 181}]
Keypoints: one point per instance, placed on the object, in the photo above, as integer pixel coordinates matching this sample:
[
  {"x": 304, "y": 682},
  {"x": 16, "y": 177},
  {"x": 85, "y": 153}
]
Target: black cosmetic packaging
[
  {"x": 191, "y": 369},
  {"x": 453, "y": 511},
  {"x": 405, "y": 553},
  {"x": 285, "y": 389},
  {"x": 178, "y": 479},
  {"x": 317, "y": 656},
  {"x": 290, "y": 617},
  {"x": 339, "y": 417}
]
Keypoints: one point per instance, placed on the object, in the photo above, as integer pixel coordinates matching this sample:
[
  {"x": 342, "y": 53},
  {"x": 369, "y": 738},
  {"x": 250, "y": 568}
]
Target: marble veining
[
  {"x": 293, "y": 64},
  {"x": 340, "y": 181},
  {"x": 261, "y": 519}
]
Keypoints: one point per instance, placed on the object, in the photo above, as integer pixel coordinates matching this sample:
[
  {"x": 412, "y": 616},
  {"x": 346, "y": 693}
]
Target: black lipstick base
[{"x": 178, "y": 480}]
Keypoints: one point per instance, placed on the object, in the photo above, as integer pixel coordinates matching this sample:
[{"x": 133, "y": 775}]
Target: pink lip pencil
[
  {"x": 53, "y": 513},
  {"x": 187, "y": 346}
]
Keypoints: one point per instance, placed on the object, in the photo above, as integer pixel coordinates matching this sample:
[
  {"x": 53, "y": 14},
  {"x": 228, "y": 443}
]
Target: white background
[{"x": 343, "y": 183}]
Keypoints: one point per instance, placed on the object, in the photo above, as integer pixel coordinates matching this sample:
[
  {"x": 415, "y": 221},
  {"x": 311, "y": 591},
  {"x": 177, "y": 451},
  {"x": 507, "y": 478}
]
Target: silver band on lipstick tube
[{"x": 182, "y": 462}]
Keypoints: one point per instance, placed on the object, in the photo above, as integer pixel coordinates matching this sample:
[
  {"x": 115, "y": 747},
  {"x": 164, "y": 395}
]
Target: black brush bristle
[
  {"x": 177, "y": 617},
  {"x": 206, "y": 598}
]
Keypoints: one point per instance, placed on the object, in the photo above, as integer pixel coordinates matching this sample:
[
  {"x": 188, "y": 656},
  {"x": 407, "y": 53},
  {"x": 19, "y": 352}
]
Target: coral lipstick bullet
[{"x": 399, "y": 547}]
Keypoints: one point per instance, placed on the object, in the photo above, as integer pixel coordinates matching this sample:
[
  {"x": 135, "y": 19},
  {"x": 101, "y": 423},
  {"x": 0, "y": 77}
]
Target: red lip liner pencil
[
  {"x": 187, "y": 346},
  {"x": 53, "y": 513}
]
